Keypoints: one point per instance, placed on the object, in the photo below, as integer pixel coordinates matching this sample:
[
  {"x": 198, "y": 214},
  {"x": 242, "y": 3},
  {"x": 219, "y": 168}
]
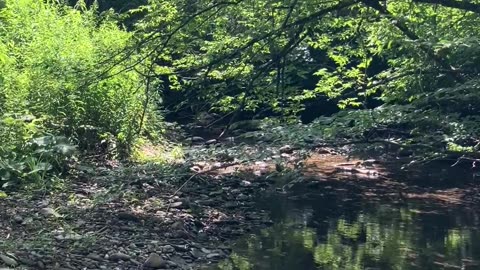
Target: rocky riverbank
[
  {"x": 110, "y": 221},
  {"x": 184, "y": 216}
]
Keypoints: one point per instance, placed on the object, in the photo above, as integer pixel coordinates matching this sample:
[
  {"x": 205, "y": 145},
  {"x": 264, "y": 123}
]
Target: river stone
[
  {"x": 215, "y": 193},
  {"x": 242, "y": 197},
  {"x": 309, "y": 140},
  {"x": 209, "y": 202},
  {"x": 94, "y": 256},
  {"x": 246, "y": 125},
  {"x": 197, "y": 139},
  {"x": 196, "y": 253},
  {"x": 177, "y": 205},
  {"x": 202, "y": 237},
  {"x": 8, "y": 260},
  {"x": 128, "y": 217},
  {"x": 370, "y": 162},
  {"x": 214, "y": 256},
  {"x": 245, "y": 183},
  {"x": 230, "y": 139},
  {"x": 49, "y": 212},
  {"x": 18, "y": 219},
  {"x": 155, "y": 261},
  {"x": 68, "y": 236},
  {"x": 180, "y": 248},
  {"x": 287, "y": 149},
  {"x": 40, "y": 265},
  {"x": 168, "y": 249},
  {"x": 206, "y": 251},
  {"x": 212, "y": 141},
  {"x": 177, "y": 225},
  {"x": 181, "y": 234},
  {"x": 120, "y": 256},
  {"x": 27, "y": 261},
  {"x": 230, "y": 205}
]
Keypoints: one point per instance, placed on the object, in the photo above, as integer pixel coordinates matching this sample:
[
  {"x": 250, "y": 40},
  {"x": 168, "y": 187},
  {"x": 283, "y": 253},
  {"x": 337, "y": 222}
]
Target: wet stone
[
  {"x": 177, "y": 205},
  {"x": 230, "y": 205},
  {"x": 49, "y": 212},
  {"x": 197, "y": 139},
  {"x": 180, "y": 248},
  {"x": 18, "y": 219},
  {"x": 212, "y": 141},
  {"x": 168, "y": 249},
  {"x": 127, "y": 217},
  {"x": 196, "y": 253},
  {"x": 27, "y": 261},
  {"x": 40, "y": 265},
  {"x": 94, "y": 256},
  {"x": 214, "y": 256},
  {"x": 245, "y": 183},
  {"x": 9, "y": 261},
  {"x": 155, "y": 261},
  {"x": 287, "y": 149},
  {"x": 120, "y": 256}
]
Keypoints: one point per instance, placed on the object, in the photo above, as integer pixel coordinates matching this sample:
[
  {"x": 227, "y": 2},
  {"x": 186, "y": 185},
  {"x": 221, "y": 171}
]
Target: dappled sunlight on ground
[{"x": 373, "y": 179}]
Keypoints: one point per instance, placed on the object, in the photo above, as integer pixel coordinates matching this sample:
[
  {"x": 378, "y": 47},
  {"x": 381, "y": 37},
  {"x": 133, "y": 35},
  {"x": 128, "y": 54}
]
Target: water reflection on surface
[{"x": 333, "y": 233}]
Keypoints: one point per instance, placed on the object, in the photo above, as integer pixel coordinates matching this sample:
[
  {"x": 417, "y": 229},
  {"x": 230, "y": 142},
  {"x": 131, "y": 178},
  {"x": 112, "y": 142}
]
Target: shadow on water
[{"x": 332, "y": 232}]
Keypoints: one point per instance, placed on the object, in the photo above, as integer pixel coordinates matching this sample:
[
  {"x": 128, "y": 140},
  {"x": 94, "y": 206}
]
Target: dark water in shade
[{"x": 331, "y": 232}]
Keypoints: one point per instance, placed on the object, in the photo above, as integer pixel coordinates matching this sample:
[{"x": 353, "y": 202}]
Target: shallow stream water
[{"x": 332, "y": 232}]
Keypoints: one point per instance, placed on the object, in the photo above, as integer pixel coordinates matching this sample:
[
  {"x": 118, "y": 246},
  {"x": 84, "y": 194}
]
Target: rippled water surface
[{"x": 329, "y": 232}]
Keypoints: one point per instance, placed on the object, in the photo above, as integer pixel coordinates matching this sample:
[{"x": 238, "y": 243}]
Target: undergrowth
[{"x": 62, "y": 87}]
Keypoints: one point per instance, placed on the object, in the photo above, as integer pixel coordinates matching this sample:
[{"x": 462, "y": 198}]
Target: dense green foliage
[
  {"x": 52, "y": 83},
  {"x": 73, "y": 74},
  {"x": 418, "y": 59},
  {"x": 262, "y": 49}
]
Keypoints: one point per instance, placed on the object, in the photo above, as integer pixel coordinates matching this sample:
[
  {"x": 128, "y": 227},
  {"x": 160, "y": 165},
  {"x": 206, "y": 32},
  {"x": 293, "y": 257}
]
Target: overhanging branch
[
  {"x": 463, "y": 5},
  {"x": 413, "y": 36}
]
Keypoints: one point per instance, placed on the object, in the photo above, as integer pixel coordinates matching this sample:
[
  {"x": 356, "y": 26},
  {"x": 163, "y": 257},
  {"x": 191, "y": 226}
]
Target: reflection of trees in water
[{"x": 379, "y": 236}]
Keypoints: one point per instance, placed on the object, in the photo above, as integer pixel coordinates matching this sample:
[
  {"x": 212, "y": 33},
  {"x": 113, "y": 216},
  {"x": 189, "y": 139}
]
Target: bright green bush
[{"x": 59, "y": 66}]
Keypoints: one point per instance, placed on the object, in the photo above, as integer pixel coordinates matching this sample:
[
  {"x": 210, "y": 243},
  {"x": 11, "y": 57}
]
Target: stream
[{"x": 328, "y": 231}]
